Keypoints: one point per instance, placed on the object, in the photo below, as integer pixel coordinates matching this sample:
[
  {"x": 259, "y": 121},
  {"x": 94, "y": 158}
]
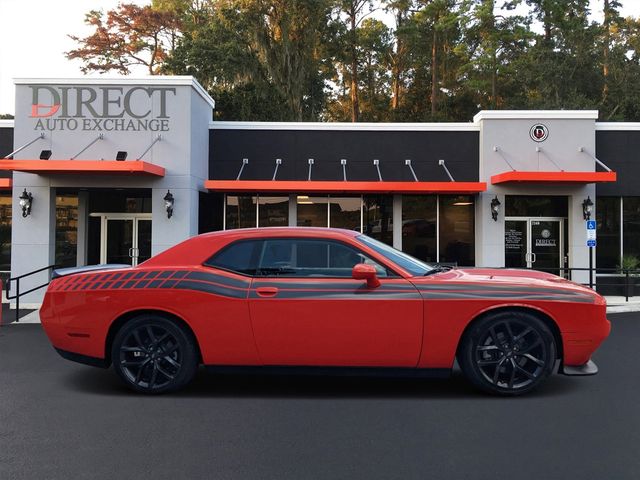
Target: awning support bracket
[
  {"x": 310, "y": 167},
  {"x": 376, "y": 162},
  {"x": 275, "y": 172},
  {"x": 157, "y": 139},
  {"x": 540, "y": 150},
  {"x": 19, "y": 149},
  {"x": 441, "y": 163},
  {"x": 499, "y": 152},
  {"x": 583, "y": 150},
  {"x": 407, "y": 162},
  {"x": 99, "y": 137},
  {"x": 244, "y": 162}
]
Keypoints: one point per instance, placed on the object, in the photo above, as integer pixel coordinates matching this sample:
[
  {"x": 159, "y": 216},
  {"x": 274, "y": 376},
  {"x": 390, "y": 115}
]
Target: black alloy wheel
[
  {"x": 153, "y": 354},
  {"x": 508, "y": 353}
]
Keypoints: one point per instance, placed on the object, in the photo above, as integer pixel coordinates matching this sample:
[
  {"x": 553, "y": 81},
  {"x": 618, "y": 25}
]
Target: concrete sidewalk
[{"x": 614, "y": 305}]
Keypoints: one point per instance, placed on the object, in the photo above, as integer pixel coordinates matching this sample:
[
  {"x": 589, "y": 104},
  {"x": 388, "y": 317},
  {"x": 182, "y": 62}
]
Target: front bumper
[{"x": 589, "y": 368}]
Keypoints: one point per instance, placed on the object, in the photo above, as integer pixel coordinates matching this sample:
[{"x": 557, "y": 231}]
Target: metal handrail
[
  {"x": 18, "y": 293},
  {"x": 627, "y": 273}
]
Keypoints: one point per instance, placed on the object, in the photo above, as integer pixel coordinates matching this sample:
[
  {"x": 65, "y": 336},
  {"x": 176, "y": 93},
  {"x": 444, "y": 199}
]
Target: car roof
[{"x": 281, "y": 231}]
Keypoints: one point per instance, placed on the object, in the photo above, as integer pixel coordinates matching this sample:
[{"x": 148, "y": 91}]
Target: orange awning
[
  {"x": 105, "y": 167},
  {"x": 553, "y": 177},
  {"x": 5, "y": 183},
  {"x": 314, "y": 186}
]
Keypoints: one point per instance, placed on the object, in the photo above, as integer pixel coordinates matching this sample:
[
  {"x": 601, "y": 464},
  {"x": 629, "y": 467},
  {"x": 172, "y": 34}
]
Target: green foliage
[
  {"x": 629, "y": 262},
  {"x": 335, "y": 60}
]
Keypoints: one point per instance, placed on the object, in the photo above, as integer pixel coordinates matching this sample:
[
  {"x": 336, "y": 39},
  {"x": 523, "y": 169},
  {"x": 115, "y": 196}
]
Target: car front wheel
[
  {"x": 508, "y": 353},
  {"x": 153, "y": 354}
]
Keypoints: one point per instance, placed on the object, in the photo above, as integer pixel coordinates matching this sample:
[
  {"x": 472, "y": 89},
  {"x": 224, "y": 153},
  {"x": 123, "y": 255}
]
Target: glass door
[
  {"x": 545, "y": 245},
  {"x": 119, "y": 240},
  {"x": 125, "y": 238},
  {"x": 537, "y": 243},
  {"x": 516, "y": 245}
]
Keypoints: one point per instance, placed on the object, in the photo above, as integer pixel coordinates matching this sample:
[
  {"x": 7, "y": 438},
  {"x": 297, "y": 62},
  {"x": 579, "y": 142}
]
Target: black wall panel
[
  {"x": 6, "y": 147},
  {"x": 620, "y": 151},
  {"x": 295, "y": 147}
]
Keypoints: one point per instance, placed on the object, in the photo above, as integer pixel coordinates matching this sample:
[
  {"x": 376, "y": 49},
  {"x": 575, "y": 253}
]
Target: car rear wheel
[
  {"x": 508, "y": 353},
  {"x": 153, "y": 354}
]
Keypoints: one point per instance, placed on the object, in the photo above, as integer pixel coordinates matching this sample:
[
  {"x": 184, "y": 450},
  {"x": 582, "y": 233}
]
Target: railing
[
  {"x": 18, "y": 293},
  {"x": 598, "y": 277}
]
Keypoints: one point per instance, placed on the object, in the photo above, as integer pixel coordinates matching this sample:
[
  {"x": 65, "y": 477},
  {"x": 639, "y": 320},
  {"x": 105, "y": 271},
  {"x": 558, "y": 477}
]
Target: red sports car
[{"x": 326, "y": 300}]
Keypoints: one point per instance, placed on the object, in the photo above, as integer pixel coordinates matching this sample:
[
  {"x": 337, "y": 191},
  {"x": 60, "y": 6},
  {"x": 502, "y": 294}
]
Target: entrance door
[
  {"x": 536, "y": 243},
  {"x": 125, "y": 238}
]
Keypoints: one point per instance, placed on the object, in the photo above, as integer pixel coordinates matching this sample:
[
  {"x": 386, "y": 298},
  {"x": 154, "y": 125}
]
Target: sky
[{"x": 35, "y": 37}]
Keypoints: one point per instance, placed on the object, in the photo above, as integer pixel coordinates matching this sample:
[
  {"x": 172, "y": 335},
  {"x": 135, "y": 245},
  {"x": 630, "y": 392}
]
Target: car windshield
[{"x": 410, "y": 264}]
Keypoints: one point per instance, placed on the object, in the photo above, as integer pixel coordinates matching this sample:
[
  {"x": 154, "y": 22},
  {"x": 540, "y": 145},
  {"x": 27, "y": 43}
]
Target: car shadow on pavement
[{"x": 207, "y": 384}]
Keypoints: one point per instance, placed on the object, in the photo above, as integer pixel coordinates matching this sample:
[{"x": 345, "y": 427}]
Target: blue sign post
[{"x": 591, "y": 242}]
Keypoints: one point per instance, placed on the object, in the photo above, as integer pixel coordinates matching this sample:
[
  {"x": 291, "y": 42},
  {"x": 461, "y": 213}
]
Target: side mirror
[{"x": 362, "y": 271}]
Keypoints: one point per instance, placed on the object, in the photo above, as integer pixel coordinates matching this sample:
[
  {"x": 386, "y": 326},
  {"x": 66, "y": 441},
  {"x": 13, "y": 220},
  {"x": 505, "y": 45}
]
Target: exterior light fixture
[
  {"x": 168, "y": 203},
  {"x": 495, "y": 208},
  {"x": 587, "y": 208},
  {"x": 45, "y": 154},
  {"x": 26, "y": 199},
  {"x": 121, "y": 156}
]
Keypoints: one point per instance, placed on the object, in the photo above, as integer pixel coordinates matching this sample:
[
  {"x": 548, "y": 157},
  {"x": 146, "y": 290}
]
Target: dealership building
[{"x": 116, "y": 170}]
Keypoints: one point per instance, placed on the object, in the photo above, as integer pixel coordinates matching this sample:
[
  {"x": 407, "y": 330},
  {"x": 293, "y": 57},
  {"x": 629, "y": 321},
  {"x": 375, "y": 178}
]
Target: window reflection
[
  {"x": 419, "y": 222},
  {"x": 378, "y": 217},
  {"x": 457, "y": 230},
  {"x": 5, "y": 232},
  {"x": 345, "y": 212},
  {"x": 312, "y": 211},
  {"x": 66, "y": 230},
  {"x": 273, "y": 211},
  {"x": 608, "y": 218},
  {"x": 240, "y": 211}
]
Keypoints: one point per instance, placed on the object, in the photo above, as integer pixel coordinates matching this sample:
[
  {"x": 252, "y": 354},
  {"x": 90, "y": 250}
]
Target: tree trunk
[
  {"x": 355, "y": 106},
  {"x": 607, "y": 41},
  {"x": 434, "y": 73}
]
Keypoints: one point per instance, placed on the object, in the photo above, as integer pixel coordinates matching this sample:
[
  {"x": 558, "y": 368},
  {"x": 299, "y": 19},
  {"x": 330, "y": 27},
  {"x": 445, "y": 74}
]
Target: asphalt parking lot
[{"x": 60, "y": 420}]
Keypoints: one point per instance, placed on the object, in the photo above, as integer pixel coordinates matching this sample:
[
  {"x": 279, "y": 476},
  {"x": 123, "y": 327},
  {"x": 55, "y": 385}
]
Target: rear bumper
[
  {"x": 85, "y": 359},
  {"x": 589, "y": 368}
]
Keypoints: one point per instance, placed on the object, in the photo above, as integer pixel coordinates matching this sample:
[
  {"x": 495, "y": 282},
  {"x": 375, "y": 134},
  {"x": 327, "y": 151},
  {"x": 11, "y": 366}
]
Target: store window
[
  {"x": 345, "y": 212},
  {"x": 66, "y": 230},
  {"x": 631, "y": 226},
  {"x": 419, "y": 226},
  {"x": 5, "y": 232},
  {"x": 273, "y": 211},
  {"x": 608, "y": 217},
  {"x": 536, "y": 206},
  {"x": 240, "y": 211},
  {"x": 312, "y": 211},
  {"x": 378, "y": 217},
  {"x": 457, "y": 232}
]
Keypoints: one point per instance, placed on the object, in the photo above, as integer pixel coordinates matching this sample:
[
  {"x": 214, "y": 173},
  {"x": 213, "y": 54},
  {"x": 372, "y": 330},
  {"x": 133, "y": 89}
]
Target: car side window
[
  {"x": 311, "y": 258},
  {"x": 240, "y": 257}
]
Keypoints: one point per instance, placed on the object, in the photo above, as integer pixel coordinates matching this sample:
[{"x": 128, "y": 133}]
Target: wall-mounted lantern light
[
  {"x": 587, "y": 208},
  {"x": 168, "y": 204},
  {"x": 495, "y": 208},
  {"x": 26, "y": 199}
]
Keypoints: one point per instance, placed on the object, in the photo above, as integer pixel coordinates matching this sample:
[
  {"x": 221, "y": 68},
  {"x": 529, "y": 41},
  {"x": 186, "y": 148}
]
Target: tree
[{"x": 130, "y": 35}]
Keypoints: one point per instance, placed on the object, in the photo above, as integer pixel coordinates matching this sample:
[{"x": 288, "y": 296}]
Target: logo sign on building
[
  {"x": 591, "y": 233},
  {"x": 539, "y": 132},
  {"x": 100, "y": 108}
]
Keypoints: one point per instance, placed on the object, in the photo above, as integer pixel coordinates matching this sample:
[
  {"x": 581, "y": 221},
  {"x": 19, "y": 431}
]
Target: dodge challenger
[{"x": 320, "y": 301}]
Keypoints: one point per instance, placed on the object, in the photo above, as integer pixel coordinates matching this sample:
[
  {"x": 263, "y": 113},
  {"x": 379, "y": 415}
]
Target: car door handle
[{"x": 267, "y": 291}]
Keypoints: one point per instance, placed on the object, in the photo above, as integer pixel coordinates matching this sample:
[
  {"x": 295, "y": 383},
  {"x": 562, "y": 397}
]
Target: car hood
[{"x": 518, "y": 281}]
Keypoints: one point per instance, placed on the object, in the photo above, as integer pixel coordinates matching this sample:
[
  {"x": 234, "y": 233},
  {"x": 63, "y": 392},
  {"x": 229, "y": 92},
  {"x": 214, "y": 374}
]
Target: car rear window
[{"x": 240, "y": 257}]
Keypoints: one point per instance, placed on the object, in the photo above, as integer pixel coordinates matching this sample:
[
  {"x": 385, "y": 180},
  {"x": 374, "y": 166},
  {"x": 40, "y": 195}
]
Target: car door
[{"x": 307, "y": 310}]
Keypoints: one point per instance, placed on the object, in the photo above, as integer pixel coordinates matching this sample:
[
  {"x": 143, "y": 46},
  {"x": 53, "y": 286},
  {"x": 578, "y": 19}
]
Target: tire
[
  {"x": 507, "y": 353},
  {"x": 153, "y": 354}
]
